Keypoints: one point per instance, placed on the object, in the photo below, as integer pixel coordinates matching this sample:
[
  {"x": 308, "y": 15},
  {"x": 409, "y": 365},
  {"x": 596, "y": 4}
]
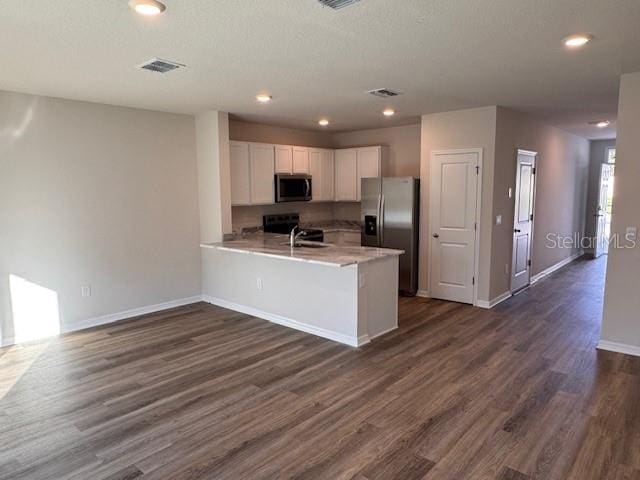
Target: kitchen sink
[{"x": 309, "y": 245}]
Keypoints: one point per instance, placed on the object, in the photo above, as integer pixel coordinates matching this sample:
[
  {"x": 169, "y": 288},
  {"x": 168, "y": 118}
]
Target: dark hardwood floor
[{"x": 518, "y": 392}]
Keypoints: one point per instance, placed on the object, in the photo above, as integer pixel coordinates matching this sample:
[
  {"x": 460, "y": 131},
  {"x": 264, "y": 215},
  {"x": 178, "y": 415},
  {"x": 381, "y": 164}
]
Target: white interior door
[
  {"x": 601, "y": 214},
  {"x": 523, "y": 220},
  {"x": 453, "y": 200}
]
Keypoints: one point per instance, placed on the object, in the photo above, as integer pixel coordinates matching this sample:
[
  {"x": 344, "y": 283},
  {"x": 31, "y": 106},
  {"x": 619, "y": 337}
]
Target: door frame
[
  {"x": 478, "y": 213},
  {"x": 535, "y": 155},
  {"x": 603, "y": 165}
]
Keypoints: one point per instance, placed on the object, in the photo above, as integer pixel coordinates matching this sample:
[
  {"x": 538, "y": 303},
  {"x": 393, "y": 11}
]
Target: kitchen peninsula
[{"x": 348, "y": 294}]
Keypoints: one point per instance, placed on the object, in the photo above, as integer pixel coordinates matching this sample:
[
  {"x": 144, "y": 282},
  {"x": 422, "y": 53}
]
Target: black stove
[{"x": 285, "y": 222}]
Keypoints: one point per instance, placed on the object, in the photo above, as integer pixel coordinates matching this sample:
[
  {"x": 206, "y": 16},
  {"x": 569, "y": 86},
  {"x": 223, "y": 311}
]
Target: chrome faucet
[{"x": 293, "y": 236}]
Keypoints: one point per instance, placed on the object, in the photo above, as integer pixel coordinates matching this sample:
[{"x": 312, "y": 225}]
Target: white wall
[
  {"x": 472, "y": 128},
  {"x": 258, "y": 132},
  {"x": 403, "y": 143},
  {"x": 214, "y": 175},
  {"x": 621, "y": 320},
  {"x": 95, "y": 195}
]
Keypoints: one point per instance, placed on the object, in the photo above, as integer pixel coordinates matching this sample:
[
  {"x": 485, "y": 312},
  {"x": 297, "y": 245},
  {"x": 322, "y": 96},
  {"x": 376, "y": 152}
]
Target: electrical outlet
[
  {"x": 86, "y": 290},
  {"x": 259, "y": 284}
]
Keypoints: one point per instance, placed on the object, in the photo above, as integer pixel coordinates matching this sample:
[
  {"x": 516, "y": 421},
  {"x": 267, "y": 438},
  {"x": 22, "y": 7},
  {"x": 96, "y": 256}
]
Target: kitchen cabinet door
[
  {"x": 368, "y": 166},
  {"x": 346, "y": 172},
  {"x": 327, "y": 169},
  {"x": 262, "y": 171},
  {"x": 300, "y": 160},
  {"x": 240, "y": 176},
  {"x": 284, "y": 158},
  {"x": 315, "y": 170}
]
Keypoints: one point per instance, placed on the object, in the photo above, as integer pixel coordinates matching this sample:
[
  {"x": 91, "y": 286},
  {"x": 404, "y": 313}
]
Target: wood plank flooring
[{"x": 199, "y": 392}]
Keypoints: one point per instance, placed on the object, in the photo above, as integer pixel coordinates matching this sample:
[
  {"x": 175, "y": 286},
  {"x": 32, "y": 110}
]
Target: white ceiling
[{"x": 443, "y": 54}]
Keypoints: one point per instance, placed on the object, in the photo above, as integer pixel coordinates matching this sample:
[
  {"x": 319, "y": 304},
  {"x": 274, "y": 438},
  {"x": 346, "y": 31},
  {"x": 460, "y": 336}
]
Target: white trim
[
  {"x": 478, "y": 219},
  {"x": 619, "y": 347},
  {"x": 115, "y": 317},
  {"x": 492, "y": 303},
  {"x": 384, "y": 332},
  {"x": 423, "y": 294},
  {"x": 548, "y": 271},
  {"x": 288, "y": 322}
]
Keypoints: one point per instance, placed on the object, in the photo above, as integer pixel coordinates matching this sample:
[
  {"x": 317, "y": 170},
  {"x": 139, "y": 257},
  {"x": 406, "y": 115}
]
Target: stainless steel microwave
[{"x": 293, "y": 188}]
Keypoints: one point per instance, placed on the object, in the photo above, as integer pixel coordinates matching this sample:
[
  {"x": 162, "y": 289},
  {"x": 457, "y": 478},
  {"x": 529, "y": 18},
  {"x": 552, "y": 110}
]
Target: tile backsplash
[{"x": 251, "y": 216}]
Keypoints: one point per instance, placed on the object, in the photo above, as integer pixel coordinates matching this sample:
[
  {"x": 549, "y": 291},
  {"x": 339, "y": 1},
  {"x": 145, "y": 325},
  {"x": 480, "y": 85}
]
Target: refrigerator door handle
[{"x": 381, "y": 221}]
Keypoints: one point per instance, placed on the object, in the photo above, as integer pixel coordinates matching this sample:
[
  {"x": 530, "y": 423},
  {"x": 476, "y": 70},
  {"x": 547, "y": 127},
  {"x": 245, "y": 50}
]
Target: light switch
[
  {"x": 510, "y": 192},
  {"x": 498, "y": 219}
]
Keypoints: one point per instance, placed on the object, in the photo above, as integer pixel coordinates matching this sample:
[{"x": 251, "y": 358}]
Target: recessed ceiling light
[
  {"x": 601, "y": 124},
  {"x": 577, "y": 40},
  {"x": 323, "y": 122},
  {"x": 264, "y": 98},
  {"x": 389, "y": 112},
  {"x": 147, "y": 7}
]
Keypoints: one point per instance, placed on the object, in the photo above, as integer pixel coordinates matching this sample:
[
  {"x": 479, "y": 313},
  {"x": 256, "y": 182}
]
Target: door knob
[
  {"x": 435, "y": 235},
  {"x": 517, "y": 230}
]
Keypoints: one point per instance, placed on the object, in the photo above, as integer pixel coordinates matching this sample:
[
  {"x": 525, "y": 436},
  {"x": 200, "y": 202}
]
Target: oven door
[{"x": 293, "y": 188}]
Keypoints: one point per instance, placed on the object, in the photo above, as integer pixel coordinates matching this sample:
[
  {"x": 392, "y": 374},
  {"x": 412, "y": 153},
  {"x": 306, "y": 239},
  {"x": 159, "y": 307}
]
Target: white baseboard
[
  {"x": 288, "y": 322},
  {"x": 492, "y": 303},
  {"x": 384, "y": 332},
  {"x": 423, "y": 294},
  {"x": 114, "y": 317},
  {"x": 619, "y": 347},
  {"x": 557, "y": 266}
]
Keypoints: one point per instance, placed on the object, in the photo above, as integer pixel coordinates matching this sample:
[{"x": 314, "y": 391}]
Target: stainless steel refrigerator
[{"x": 390, "y": 215}]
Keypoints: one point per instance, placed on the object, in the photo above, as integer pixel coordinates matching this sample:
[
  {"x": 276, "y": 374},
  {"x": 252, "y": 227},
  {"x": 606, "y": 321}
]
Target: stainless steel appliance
[
  {"x": 293, "y": 188},
  {"x": 285, "y": 222},
  {"x": 389, "y": 216}
]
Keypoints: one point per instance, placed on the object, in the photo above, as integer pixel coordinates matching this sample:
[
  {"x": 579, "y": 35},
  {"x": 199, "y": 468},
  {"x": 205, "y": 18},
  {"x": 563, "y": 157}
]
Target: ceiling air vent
[
  {"x": 160, "y": 66},
  {"x": 384, "y": 93},
  {"x": 337, "y": 4}
]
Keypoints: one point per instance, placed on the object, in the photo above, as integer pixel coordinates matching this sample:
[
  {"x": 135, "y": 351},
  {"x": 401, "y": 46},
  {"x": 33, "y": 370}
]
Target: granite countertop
[
  {"x": 272, "y": 245},
  {"x": 334, "y": 226}
]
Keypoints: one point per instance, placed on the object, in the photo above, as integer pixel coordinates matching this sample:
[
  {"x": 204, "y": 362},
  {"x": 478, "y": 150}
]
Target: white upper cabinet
[
  {"x": 321, "y": 169},
  {"x": 300, "y": 160},
  {"x": 240, "y": 182},
  {"x": 346, "y": 172},
  {"x": 336, "y": 174},
  {"x": 284, "y": 158},
  {"x": 327, "y": 174},
  {"x": 369, "y": 165},
  {"x": 262, "y": 160}
]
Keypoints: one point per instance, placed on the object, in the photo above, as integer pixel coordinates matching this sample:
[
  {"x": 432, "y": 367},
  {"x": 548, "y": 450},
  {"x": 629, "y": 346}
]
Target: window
[{"x": 611, "y": 155}]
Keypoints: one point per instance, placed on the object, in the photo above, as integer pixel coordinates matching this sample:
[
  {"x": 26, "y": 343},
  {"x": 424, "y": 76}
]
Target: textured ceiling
[{"x": 442, "y": 54}]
